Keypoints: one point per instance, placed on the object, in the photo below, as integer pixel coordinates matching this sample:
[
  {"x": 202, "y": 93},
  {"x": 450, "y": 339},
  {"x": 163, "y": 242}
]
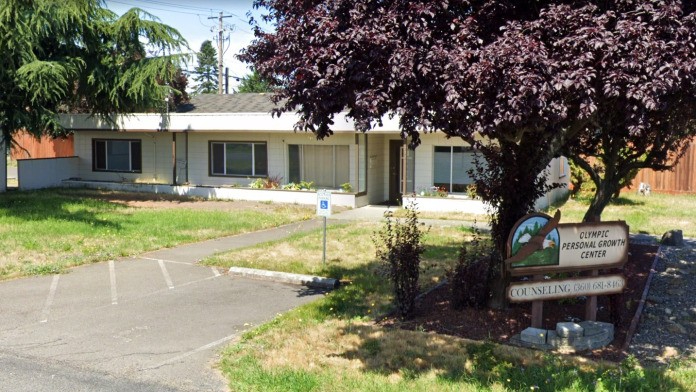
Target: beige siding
[
  {"x": 158, "y": 162},
  {"x": 277, "y": 145}
]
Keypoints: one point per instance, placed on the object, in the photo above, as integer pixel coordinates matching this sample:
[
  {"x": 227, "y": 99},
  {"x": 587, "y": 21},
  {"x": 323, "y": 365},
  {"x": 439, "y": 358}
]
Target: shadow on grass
[
  {"x": 351, "y": 299},
  {"x": 624, "y": 201},
  {"x": 311, "y": 291},
  {"x": 414, "y": 355},
  {"x": 57, "y": 205}
]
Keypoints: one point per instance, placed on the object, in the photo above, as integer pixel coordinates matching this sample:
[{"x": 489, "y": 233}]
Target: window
[
  {"x": 326, "y": 166},
  {"x": 117, "y": 155},
  {"x": 451, "y": 166},
  {"x": 238, "y": 159}
]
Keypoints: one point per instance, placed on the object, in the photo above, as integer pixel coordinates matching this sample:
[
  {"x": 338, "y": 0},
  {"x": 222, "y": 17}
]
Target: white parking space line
[
  {"x": 194, "y": 351},
  {"x": 112, "y": 276},
  {"x": 215, "y": 271},
  {"x": 167, "y": 278},
  {"x": 166, "y": 261},
  {"x": 49, "y": 301}
]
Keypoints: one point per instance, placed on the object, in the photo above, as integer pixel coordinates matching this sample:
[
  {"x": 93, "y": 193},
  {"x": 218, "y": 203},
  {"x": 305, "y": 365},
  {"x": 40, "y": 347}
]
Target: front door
[{"x": 395, "y": 148}]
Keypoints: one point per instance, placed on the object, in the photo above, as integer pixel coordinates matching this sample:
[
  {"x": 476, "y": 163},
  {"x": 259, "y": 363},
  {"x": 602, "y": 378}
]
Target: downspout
[
  {"x": 186, "y": 154},
  {"x": 174, "y": 182}
]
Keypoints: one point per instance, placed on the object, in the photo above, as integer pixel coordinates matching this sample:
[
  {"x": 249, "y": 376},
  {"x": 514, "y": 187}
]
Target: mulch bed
[{"x": 434, "y": 312}]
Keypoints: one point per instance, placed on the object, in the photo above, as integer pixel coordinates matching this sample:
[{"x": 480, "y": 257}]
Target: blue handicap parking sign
[{"x": 324, "y": 204}]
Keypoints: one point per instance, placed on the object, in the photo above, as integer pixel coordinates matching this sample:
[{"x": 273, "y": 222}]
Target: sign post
[{"x": 324, "y": 210}]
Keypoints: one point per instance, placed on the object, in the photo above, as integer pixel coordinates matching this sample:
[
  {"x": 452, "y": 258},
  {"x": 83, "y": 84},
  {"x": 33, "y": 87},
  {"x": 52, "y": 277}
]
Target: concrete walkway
[
  {"x": 195, "y": 252},
  {"x": 375, "y": 213}
]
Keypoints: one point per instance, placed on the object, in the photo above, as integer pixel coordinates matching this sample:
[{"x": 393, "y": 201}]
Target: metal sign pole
[
  {"x": 324, "y": 258},
  {"x": 324, "y": 210}
]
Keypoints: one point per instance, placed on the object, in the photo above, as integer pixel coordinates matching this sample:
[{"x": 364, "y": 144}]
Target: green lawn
[
  {"x": 654, "y": 214},
  {"x": 48, "y": 231},
  {"x": 334, "y": 344}
]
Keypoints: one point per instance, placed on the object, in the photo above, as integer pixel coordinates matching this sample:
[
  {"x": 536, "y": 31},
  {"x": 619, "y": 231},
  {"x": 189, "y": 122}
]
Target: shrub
[
  {"x": 470, "y": 279},
  {"x": 399, "y": 248},
  {"x": 433, "y": 191},
  {"x": 581, "y": 184},
  {"x": 272, "y": 182},
  {"x": 471, "y": 191},
  {"x": 302, "y": 185}
]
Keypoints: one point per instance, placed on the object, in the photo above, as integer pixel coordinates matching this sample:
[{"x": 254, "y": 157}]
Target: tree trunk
[
  {"x": 605, "y": 192},
  {"x": 521, "y": 186},
  {"x": 3, "y": 165}
]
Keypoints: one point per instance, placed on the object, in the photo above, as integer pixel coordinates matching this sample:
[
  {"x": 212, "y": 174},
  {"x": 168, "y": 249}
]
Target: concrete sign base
[{"x": 568, "y": 337}]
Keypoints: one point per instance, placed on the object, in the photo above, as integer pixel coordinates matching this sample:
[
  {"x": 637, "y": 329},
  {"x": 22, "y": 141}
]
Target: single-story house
[{"x": 217, "y": 145}]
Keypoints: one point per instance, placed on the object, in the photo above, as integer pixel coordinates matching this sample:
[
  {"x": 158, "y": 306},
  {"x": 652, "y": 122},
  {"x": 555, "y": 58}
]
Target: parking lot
[{"x": 145, "y": 323}]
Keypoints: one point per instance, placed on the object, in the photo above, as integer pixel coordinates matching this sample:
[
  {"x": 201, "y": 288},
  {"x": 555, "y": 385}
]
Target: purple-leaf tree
[
  {"x": 644, "y": 99},
  {"x": 520, "y": 80}
]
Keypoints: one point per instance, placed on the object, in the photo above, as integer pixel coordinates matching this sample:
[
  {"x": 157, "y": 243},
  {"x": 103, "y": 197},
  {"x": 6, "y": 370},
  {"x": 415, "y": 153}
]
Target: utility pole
[{"x": 219, "y": 42}]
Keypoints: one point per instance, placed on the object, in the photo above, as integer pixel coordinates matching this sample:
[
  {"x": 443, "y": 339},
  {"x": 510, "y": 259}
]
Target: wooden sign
[
  {"x": 538, "y": 244},
  {"x": 565, "y": 288}
]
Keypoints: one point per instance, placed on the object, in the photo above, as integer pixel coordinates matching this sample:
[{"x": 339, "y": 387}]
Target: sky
[{"x": 191, "y": 19}]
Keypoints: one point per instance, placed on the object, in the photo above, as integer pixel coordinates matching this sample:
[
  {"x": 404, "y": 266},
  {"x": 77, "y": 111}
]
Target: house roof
[
  {"x": 229, "y": 103},
  {"x": 240, "y": 112}
]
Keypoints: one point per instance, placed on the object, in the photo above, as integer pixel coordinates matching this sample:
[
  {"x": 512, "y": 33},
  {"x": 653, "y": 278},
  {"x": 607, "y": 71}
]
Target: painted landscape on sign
[{"x": 526, "y": 235}]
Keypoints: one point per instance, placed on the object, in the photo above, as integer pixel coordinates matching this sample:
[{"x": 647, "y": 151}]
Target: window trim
[
  {"x": 467, "y": 149},
  {"x": 106, "y": 155},
  {"x": 253, "y": 160}
]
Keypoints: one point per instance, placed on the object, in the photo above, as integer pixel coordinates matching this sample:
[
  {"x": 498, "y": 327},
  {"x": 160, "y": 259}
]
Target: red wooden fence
[
  {"x": 681, "y": 179},
  {"x": 27, "y": 146}
]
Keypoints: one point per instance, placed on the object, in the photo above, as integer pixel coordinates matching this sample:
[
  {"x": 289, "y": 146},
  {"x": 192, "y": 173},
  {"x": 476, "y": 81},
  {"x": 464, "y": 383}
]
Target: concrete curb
[{"x": 285, "y": 277}]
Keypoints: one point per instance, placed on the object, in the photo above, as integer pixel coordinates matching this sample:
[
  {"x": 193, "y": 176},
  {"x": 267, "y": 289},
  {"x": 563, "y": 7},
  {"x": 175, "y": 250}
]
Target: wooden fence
[
  {"x": 681, "y": 179},
  {"x": 29, "y": 147}
]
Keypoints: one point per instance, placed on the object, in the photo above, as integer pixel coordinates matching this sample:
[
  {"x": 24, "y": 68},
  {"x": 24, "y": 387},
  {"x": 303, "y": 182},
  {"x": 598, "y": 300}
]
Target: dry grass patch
[
  {"x": 451, "y": 216},
  {"x": 348, "y": 247},
  {"x": 357, "y": 346},
  {"x": 354, "y": 354}
]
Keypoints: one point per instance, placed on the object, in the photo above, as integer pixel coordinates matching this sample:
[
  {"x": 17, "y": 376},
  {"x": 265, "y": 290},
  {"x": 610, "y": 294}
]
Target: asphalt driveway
[{"x": 134, "y": 324}]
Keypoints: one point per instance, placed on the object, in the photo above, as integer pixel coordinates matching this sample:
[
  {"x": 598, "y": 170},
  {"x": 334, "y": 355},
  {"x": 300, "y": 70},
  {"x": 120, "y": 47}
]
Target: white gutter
[{"x": 210, "y": 122}]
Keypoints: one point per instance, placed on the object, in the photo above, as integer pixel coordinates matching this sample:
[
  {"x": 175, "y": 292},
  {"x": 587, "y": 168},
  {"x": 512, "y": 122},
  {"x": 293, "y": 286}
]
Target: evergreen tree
[
  {"x": 76, "y": 55},
  {"x": 253, "y": 83},
  {"x": 206, "y": 71}
]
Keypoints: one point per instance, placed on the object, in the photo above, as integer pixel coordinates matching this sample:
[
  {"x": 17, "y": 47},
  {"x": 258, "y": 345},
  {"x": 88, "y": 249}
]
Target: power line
[
  {"x": 152, "y": 8},
  {"x": 181, "y": 6}
]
